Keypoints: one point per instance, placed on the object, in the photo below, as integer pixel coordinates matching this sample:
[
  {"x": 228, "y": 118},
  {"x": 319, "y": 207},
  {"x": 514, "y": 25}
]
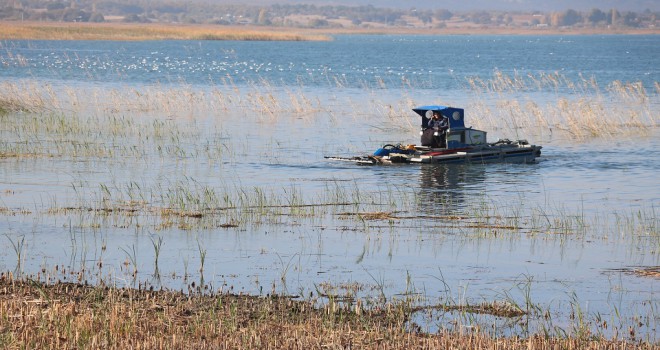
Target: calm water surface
[
  {"x": 570, "y": 228},
  {"x": 429, "y": 62}
]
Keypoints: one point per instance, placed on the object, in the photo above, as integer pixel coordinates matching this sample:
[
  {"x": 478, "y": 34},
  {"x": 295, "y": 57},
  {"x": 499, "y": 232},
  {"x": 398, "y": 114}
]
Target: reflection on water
[{"x": 443, "y": 188}]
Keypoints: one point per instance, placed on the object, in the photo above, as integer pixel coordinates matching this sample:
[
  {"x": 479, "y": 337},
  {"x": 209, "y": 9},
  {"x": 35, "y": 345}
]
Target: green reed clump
[
  {"x": 79, "y": 134},
  {"x": 642, "y": 226}
]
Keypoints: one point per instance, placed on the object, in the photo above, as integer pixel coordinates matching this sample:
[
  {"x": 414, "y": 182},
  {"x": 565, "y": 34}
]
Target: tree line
[{"x": 303, "y": 15}]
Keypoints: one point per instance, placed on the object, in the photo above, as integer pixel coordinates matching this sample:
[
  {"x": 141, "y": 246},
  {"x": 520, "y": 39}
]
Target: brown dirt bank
[
  {"x": 68, "y": 316},
  {"x": 136, "y": 32}
]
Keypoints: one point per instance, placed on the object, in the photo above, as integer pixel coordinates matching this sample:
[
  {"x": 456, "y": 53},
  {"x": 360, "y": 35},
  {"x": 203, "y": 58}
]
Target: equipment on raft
[{"x": 453, "y": 144}]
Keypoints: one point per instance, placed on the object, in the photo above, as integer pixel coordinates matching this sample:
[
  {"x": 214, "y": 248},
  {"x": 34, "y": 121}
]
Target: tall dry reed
[{"x": 556, "y": 104}]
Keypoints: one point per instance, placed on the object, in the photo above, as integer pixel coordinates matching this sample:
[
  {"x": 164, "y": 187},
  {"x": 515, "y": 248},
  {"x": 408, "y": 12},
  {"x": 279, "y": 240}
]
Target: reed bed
[
  {"x": 189, "y": 205},
  {"x": 581, "y": 109},
  {"x": 165, "y": 124},
  {"x": 67, "y": 316},
  {"x": 180, "y": 124},
  {"x": 586, "y": 111},
  {"x": 140, "y": 32}
]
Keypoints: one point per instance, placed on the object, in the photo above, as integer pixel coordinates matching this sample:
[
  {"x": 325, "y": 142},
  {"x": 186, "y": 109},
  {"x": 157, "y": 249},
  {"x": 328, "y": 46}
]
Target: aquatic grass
[
  {"x": 105, "y": 132},
  {"x": 284, "y": 268},
  {"x": 581, "y": 327},
  {"x": 157, "y": 244},
  {"x": 640, "y": 227},
  {"x": 131, "y": 259},
  {"x": 18, "y": 245},
  {"x": 530, "y": 310},
  {"x": 586, "y": 111},
  {"x": 189, "y": 204},
  {"x": 55, "y": 134},
  {"x": 202, "y": 256},
  {"x": 586, "y": 115},
  {"x": 194, "y": 203}
]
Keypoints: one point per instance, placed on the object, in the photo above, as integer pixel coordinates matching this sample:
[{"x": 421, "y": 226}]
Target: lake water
[{"x": 237, "y": 132}]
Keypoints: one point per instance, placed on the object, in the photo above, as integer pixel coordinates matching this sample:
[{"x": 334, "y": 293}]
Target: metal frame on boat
[{"x": 454, "y": 143}]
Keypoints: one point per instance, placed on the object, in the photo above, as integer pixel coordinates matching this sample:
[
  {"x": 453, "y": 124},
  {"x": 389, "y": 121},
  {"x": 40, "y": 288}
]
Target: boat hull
[
  {"x": 522, "y": 154},
  {"x": 510, "y": 153}
]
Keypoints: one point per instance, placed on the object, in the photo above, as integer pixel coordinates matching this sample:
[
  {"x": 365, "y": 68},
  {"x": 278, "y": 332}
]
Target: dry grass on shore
[
  {"x": 68, "y": 316},
  {"x": 138, "y": 32},
  {"x": 15, "y": 30}
]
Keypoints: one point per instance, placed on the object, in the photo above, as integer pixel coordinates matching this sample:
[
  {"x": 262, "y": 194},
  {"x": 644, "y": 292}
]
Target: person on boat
[
  {"x": 435, "y": 135},
  {"x": 438, "y": 122}
]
